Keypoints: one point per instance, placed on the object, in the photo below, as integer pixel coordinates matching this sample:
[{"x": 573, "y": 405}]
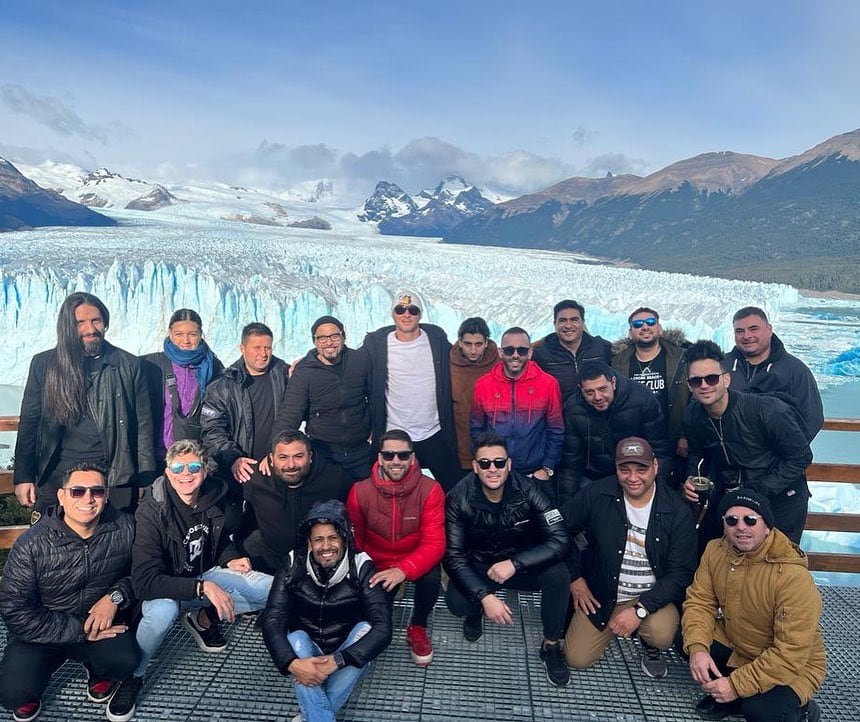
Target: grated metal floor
[{"x": 497, "y": 678}]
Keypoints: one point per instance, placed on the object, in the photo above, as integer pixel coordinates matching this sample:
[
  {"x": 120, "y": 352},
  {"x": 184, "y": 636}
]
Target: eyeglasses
[
  {"x": 486, "y": 463},
  {"x": 193, "y": 467},
  {"x": 710, "y": 380},
  {"x": 389, "y": 455},
  {"x": 328, "y": 337},
  {"x": 749, "y": 519},
  {"x": 411, "y": 310},
  {"x": 518, "y": 350},
  {"x": 640, "y": 322},
  {"x": 79, "y": 492}
]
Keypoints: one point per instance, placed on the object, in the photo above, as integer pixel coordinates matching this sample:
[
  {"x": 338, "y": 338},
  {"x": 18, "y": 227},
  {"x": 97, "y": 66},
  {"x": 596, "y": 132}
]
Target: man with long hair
[{"x": 85, "y": 401}]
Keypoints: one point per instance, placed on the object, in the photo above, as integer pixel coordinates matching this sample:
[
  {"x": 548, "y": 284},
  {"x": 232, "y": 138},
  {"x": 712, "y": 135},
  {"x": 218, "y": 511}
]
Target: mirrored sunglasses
[
  {"x": 389, "y": 455},
  {"x": 749, "y": 519},
  {"x": 486, "y": 463},
  {"x": 640, "y": 322},
  {"x": 193, "y": 467}
]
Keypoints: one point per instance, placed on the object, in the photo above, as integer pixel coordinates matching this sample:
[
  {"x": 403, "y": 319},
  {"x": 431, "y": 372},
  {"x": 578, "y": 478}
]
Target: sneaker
[
  {"x": 208, "y": 639},
  {"x": 812, "y": 713},
  {"x": 422, "y": 650},
  {"x": 653, "y": 662},
  {"x": 709, "y": 708},
  {"x": 557, "y": 671},
  {"x": 124, "y": 701},
  {"x": 473, "y": 628},
  {"x": 100, "y": 690},
  {"x": 27, "y": 712}
]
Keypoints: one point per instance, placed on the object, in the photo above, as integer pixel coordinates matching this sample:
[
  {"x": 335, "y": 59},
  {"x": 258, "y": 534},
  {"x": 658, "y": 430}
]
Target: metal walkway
[{"x": 498, "y": 678}]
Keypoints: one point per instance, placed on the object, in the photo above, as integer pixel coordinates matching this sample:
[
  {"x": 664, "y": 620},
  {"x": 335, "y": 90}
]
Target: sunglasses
[
  {"x": 329, "y": 337},
  {"x": 749, "y": 519},
  {"x": 389, "y": 455},
  {"x": 487, "y": 463},
  {"x": 193, "y": 467},
  {"x": 518, "y": 350},
  {"x": 411, "y": 310},
  {"x": 640, "y": 322},
  {"x": 79, "y": 492},
  {"x": 710, "y": 380}
]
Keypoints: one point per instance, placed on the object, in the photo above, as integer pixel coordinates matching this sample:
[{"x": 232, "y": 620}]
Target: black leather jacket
[
  {"x": 118, "y": 401},
  {"x": 597, "y": 522},
  {"x": 53, "y": 577},
  {"x": 524, "y": 527},
  {"x": 227, "y": 417}
]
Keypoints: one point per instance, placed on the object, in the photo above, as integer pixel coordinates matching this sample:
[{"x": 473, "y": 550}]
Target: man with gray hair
[{"x": 184, "y": 561}]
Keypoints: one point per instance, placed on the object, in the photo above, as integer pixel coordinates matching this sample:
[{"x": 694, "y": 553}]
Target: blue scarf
[{"x": 200, "y": 358}]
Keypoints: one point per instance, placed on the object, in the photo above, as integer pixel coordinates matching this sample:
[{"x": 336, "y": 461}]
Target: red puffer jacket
[{"x": 399, "y": 523}]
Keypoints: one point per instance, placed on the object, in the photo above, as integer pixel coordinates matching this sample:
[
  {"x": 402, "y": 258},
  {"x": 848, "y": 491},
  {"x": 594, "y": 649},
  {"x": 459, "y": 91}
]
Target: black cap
[
  {"x": 751, "y": 500},
  {"x": 325, "y": 319}
]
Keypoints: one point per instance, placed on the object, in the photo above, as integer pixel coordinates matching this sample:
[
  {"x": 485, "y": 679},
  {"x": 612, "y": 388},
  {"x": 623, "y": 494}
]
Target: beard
[
  {"x": 93, "y": 346},
  {"x": 646, "y": 344}
]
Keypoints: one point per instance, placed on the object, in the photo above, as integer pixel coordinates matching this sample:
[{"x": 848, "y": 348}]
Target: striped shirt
[{"x": 636, "y": 576}]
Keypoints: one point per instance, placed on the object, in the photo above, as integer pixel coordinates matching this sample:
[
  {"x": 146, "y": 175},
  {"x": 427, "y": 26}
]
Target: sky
[{"x": 513, "y": 96}]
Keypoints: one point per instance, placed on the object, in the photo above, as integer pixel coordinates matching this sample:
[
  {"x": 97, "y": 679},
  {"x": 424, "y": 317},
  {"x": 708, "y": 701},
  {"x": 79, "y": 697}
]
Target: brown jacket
[
  {"x": 766, "y": 608},
  {"x": 464, "y": 374}
]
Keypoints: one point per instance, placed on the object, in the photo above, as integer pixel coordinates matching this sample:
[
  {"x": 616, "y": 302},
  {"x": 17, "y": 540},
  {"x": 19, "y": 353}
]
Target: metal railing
[{"x": 815, "y": 521}]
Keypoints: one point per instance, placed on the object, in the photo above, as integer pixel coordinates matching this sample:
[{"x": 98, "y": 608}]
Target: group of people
[{"x": 567, "y": 465}]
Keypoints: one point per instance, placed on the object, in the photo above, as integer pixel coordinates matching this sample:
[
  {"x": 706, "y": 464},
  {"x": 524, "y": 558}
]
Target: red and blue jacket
[{"x": 526, "y": 411}]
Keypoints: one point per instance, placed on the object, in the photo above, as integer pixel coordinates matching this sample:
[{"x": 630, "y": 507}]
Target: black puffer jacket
[
  {"x": 159, "y": 549},
  {"x": 119, "y": 403},
  {"x": 783, "y": 375},
  {"x": 376, "y": 343},
  {"x": 524, "y": 527},
  {"x": 227, "y": 417},
  {"x": 333, "y": 400},
  {"x": 590, "y": 436},
  {"x": 555, "y": 359},
  {"x": 597, "y": 520},
  {"x": 53, "y": 577},
  {"x": 762, "y": 448},
  {"x": 326, "y": 610}
]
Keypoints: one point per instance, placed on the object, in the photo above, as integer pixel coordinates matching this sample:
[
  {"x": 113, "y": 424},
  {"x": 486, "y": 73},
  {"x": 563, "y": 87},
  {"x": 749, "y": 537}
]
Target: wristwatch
[
  {"x": 339, "y": 660},
  {"x": 548, "y": 471},
  {"x": 641, "y": 612},
  {"x": 117, "y": 597}
]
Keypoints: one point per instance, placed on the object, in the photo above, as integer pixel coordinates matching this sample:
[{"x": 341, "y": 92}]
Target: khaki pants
[{"x": 584, "y": 643}]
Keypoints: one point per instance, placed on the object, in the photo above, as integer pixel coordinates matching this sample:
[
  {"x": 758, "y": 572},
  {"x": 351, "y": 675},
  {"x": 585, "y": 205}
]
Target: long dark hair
[{"x": 65, "y": 390}]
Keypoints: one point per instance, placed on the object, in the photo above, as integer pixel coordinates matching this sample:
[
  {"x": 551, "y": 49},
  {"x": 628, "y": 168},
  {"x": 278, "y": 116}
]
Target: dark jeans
[
  {"x": 426, "y": 593},
  {"x": 779, "y": 704},
  {"x": 355, "y": 461},
  {"x": 552, "y": 580},
  {"x": 26, "y": 669},
  {"x": 441, "y": 459},
  {"x": 263, "y": 557}
]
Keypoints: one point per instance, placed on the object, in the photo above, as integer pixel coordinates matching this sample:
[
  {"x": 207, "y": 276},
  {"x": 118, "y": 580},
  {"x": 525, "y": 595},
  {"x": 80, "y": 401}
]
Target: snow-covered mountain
[{"x": 431, "y": 213}]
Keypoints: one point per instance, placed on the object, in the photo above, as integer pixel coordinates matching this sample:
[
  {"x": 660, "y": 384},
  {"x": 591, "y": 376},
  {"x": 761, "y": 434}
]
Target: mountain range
[{"x": 795, "y": 220}]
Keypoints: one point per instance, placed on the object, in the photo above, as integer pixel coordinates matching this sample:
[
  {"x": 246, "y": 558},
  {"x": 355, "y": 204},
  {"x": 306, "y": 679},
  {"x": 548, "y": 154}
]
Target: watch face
[
  {"x": 641, "y": 612},
  {"x": 116, "y": 597}
]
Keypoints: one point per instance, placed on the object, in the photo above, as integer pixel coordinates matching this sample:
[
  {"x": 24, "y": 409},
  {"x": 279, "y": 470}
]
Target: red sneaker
[
  {"x": 27, "y": 712},
  {"x": 417, "y": 639},
  {"x": 100, "y": 690}
]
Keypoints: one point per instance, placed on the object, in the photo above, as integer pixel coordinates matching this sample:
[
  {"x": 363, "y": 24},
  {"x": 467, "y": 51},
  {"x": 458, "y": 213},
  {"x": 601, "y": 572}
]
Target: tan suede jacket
[{"x": 766, "y": 608}]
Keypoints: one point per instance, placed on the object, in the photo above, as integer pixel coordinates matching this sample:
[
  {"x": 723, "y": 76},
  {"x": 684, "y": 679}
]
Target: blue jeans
[
  {"x": 322, "y": 703},
  {"x": 249, "y": 591}
]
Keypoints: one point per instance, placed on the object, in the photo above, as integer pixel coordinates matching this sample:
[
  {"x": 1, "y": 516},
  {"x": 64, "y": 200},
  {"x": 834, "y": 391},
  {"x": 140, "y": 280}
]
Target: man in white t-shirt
[
  {"x": 632, "y": 557},
  {"x": 411, "y": 387}
]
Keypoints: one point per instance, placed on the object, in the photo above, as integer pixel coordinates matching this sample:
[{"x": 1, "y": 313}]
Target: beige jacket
[{"x": 766, "y": 608}]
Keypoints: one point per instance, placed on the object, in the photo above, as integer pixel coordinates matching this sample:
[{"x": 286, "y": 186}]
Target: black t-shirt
[
  {"x": 263, "y": 403},
  {"x": 83, "y": 441},
  {"x": 197, "y": 538},
  {"x": 652, "y": 375}
]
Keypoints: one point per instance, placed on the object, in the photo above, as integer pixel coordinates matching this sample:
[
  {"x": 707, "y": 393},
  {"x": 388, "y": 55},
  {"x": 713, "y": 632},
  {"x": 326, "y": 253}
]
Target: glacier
[{"x": 189, "y": 255}]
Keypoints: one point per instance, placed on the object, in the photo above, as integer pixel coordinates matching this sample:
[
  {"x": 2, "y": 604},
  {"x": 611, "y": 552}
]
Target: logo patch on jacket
[
  {"x": 553, "y": 516},
  {"x": 208, "y": 411}
]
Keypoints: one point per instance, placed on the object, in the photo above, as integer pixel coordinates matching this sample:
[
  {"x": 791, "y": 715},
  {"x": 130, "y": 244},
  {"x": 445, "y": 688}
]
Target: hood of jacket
[
  {"x": 777, "y": 548},
  {"x": 330, "y": 511},
  {"x": 490, "y": 358},
  {"x": 674, "y": 336},
  {"x": 405, "y": 486}
]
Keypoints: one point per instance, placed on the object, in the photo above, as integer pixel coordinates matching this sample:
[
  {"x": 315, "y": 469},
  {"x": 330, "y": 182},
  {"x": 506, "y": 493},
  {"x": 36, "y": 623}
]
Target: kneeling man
[
  {"x": 751, "y": 620},
  {"x": 324, "y": 623},
  {"x": 633, "y": 556}
]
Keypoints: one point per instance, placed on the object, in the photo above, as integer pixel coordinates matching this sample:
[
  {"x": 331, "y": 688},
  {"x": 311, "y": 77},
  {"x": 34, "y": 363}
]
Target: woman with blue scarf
[{"x": 178, "y": 377}]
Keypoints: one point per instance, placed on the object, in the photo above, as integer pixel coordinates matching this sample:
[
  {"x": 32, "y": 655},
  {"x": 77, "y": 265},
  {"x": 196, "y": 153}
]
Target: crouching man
[
  {"x": 324, "y": 623},
  {"x": 751, "y": 620},
  {"x": 185, "y": 562},
  {"x": 64, "y": 596}
]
